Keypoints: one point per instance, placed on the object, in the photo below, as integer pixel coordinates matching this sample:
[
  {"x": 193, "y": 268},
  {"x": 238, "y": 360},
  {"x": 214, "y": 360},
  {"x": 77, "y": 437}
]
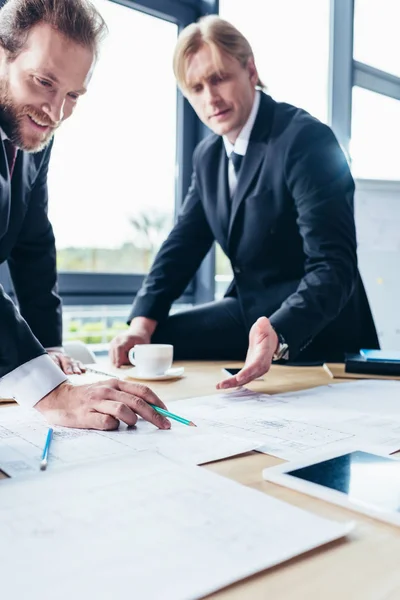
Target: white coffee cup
[{"x": 151, "y": 360}]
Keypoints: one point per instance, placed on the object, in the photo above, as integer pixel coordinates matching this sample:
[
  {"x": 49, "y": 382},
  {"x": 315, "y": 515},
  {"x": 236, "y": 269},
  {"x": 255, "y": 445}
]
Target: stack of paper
[
  {"x": 333, "y": 417},
  {"x": 145, "y": 528},
  {"x": 23, "y": 433}
]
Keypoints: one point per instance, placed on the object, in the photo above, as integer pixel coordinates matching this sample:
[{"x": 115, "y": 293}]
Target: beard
[{"x": 12, "y": 118}]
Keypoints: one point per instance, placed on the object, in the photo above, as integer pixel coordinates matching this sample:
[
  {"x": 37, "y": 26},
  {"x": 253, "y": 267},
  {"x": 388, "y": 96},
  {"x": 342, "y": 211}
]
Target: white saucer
[{"x": 173, "y": 373}]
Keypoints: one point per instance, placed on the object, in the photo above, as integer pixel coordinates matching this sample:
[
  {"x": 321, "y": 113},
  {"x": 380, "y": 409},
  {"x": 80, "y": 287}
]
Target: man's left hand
[
  {"x": 67, "y": 364},
  {"x": 263, "y": 342}
]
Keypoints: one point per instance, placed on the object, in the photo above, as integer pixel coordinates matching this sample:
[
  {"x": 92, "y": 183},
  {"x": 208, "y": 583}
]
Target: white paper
[
  {"x": 146, "y": 528},
  {"x": 23, "y": 435},
  {"x": 333, "y": 417}
]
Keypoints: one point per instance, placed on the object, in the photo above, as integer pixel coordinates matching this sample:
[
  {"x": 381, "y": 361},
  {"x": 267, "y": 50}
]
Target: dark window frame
[
  {"x": 95, "y": 288},
  {"x": 85, "y": 288}
]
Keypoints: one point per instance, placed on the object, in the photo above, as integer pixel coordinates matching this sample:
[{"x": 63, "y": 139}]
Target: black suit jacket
[
  {"x": 27, "y": 243},
  {"x": 289, "y": 233}
]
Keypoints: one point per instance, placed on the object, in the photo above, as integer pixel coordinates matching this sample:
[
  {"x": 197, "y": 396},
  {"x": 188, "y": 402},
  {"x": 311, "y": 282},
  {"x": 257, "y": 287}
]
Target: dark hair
[{"x": 78, "y": 20}]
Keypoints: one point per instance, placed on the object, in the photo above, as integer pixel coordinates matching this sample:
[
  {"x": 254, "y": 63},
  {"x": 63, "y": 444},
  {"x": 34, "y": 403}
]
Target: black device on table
[{"x": 230, "y": 370}]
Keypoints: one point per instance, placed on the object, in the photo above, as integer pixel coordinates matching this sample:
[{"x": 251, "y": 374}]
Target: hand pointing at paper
[{"x": 263, "y": 342}]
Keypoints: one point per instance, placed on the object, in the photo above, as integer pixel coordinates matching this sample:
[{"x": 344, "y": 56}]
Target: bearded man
[{"x": 48, "y": 50}]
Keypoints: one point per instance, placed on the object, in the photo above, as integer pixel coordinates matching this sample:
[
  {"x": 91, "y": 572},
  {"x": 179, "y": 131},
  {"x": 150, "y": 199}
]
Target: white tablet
[{"x": 366, "y": 482}]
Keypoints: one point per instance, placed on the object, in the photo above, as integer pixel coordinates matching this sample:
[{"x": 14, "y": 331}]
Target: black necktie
[
  {"x": 11, "y": 152},
  {"x": 236, "y": 161}
]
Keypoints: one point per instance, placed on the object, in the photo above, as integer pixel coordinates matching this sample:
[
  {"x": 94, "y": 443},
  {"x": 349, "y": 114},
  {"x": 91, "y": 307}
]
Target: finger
[
  {"x": 97, "y": 420},
  {"x": 261, "y": 327},
  {"x": 246, "y": 375},
  {"x": 115, "y": 355},
  {"x": 125, "y": 352},
  {"x": 251, "y": 372},
  {"x": 122, "y": 357},
  {"x": 139, "y": 406},
  {"x": 142, "y": 391},
  {"x": 54, "y": 358},
  {"x": 65, "y": 363},
  {"x": 119, "y": 356},
  {"x": 86, "y": 419},
  {"x": 225, "y": 384},
  {"x": 114, "y": 352},
  {"x": 118, "y": 410},
  {"x": 79, "y": 367}
]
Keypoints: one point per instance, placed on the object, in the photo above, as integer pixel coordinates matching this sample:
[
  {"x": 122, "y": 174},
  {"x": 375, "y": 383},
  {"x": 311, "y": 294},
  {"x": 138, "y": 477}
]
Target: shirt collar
[{"x": 242, "y": 141}]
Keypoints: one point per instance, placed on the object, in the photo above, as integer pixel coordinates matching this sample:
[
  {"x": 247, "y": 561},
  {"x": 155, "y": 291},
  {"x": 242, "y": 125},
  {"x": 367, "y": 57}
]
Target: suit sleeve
[
  {"x": 319, "y": 180},
  {"x": 177, "y": 261},
  {"x": 17, "y": 343},
  {"x": 32, "y": 266}
]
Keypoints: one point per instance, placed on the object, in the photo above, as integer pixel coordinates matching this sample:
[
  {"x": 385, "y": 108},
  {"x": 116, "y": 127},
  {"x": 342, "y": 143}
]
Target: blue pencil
[{"x": 45, "y": 455}]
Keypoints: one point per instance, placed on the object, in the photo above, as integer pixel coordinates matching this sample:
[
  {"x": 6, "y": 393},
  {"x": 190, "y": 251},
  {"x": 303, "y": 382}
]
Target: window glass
[
  {"x": 290, "y": 41},
  {"x": 375, "y": 138},
  {"x": 112, "y": 172},
  {"x": 376, "y": 34}
]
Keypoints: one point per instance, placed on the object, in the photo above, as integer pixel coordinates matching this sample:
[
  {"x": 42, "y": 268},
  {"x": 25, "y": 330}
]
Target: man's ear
[{"x": 251, "y": 67}]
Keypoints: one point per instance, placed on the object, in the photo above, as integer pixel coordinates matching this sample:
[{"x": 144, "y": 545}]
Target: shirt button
[{"x": 237, "y": 270}]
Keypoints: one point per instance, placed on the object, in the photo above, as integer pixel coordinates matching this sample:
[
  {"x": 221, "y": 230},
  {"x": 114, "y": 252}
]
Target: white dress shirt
[
  {"x": 30, "y": 382},
  {"x": 33, "y": 380},
  {"x": 242, "y": 141}
]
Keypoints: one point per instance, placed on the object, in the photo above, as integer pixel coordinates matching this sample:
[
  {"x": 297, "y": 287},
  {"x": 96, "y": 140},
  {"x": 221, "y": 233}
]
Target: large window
[
  {"x": 375, "y": 137},
  {"x": 376, "y": 34},
  {"x": 112, "y": 173},
  {"x": 290, "y": 40}
]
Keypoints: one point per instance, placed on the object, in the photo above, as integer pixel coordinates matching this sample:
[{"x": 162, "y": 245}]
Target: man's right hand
[
  {"x": 101, "y": 405},
  {"x": 140, "y": 331}
]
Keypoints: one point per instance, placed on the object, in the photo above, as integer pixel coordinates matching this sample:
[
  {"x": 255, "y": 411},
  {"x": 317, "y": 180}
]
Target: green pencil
[{"x": 171, "y": 415}]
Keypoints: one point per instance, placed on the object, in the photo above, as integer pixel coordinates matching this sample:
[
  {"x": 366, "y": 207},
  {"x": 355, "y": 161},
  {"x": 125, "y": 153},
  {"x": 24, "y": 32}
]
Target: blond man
[{"x": 273, "y": 187}]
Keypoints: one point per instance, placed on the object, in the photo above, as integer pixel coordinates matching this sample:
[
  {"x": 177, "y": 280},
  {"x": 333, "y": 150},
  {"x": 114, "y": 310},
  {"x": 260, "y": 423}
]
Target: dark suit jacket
[
  {"x": 27, "y": 243},
  {"x": 289, "y": 233}
]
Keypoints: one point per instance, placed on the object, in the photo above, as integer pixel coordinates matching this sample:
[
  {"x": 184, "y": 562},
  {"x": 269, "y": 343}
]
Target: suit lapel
[
  {"x": 255, "y": 154},
  {"x": 14, "y": 193},
  {"x": 25, "y": 172},
  {"x": 216, "y": 198},
  {"x": 223, "y": 201},
  {"x": 5, "y": 192}
]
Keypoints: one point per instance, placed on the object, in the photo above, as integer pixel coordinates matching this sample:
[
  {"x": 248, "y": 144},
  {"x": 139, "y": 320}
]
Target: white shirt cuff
[{"x": 32, "y": 381}]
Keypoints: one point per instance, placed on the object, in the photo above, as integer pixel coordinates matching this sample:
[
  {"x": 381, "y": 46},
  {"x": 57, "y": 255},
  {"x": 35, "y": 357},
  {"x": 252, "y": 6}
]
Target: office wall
[{"x": 377, "y": 210}]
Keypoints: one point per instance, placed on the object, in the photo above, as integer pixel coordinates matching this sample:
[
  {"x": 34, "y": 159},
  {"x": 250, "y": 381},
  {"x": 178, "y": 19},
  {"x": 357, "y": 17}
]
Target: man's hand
[
  {"x": 101, "y": 405},
  {"x": 263, "y": 342},
  {"x": 140, "y": 331},
  {"x": 66, "y": 363}
]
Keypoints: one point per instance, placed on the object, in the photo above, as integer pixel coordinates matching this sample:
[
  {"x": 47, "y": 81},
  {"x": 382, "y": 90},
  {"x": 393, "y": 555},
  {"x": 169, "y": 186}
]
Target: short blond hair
[{"x": 218, "y": 34}]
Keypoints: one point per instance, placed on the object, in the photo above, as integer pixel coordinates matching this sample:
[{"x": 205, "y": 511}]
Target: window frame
[
  {"x": 344, "y": 73},
  {"x": 82, "y": 288}
]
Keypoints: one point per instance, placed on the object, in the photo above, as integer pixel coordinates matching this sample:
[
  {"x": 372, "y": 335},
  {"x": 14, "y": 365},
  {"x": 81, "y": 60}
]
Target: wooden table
[{"x": 364, "y": 568}]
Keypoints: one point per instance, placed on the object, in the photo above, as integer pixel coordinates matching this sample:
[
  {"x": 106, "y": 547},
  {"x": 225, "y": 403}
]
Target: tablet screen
[{"x": 365, "y": 478}]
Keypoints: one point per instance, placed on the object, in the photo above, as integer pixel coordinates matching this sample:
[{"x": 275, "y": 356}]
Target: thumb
[{"x": 259, "y": 331}]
